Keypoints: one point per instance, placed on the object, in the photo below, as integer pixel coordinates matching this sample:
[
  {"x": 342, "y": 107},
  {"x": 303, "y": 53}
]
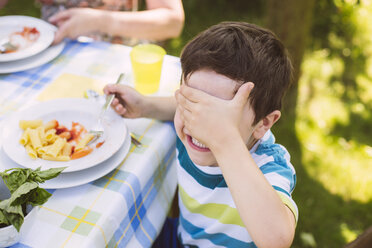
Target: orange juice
[{"x": 147, "y": 61}]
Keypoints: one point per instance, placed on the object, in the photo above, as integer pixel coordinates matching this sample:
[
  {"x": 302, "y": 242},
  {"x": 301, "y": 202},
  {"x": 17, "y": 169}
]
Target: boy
[{"x": 235, "y": 183}]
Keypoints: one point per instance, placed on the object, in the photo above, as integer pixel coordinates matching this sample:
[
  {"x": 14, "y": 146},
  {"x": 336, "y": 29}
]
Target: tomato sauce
[{"x": 73, "y": 136}]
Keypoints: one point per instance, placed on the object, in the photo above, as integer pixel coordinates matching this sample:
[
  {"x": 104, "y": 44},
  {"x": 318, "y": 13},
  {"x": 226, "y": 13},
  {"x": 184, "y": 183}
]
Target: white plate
[
  {"x": 67, "y": 180},
  {"x": 10, "y": 24},
  {"x": 65, "y": 111},
  {"x": 33, "y": 61}
]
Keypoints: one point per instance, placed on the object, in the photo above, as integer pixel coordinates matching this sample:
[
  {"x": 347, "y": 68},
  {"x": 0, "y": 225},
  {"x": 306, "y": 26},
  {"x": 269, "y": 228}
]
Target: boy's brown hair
[{"x": 245, "y": 53}]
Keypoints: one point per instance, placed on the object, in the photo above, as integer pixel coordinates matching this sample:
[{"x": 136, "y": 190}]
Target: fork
[
  {"x": 97, "y": 130},
  {"x": 6, "y": 45}
]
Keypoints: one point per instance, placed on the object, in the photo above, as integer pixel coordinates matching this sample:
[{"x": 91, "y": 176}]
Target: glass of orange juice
[{"x": 147, "y": 61}]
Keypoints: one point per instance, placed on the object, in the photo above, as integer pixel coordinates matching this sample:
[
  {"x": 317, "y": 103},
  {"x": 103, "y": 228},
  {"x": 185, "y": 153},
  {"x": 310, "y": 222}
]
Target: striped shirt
[{"x": 208, "y": 215}]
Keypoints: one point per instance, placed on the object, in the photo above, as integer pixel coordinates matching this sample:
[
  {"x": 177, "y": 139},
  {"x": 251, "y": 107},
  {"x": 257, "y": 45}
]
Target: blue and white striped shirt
[{"x": 208, "y": 215}]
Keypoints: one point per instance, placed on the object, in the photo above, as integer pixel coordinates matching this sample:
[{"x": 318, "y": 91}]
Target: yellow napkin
[{"x": 70, "y": 86}]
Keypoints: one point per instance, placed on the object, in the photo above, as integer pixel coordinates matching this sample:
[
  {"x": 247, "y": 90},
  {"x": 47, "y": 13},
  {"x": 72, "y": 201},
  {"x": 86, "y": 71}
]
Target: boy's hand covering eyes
[{"x": 211, "y": 119}]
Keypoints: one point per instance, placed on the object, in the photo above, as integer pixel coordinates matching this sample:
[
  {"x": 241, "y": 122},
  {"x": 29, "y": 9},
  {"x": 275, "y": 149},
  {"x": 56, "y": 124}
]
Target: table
[{"x": 127, "y": 207}]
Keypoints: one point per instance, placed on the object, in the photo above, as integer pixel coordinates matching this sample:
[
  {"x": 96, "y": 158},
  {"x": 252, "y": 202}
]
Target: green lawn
[{"x": 333, "y": 122}]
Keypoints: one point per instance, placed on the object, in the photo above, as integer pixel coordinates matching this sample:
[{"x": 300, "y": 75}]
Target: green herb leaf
[
  {"x": 15, "y": 178},
  {"x": 22, "y": 194},
  {"x": 13, "y": 214},
  {"x": 23, "y": 184},
  {"x": 50, "y": 173},
  {"x": 3, "y": 220},
  {"x": 39, "y": 197}
]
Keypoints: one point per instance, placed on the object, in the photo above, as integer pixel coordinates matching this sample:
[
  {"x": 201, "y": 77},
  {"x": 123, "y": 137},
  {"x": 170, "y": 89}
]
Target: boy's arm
[
  {"x": 216, "y": 123},
  {"x": 131, "y": 104},
  {"x": 269, "y": 222},
  {"x": 160, "y": 108}
]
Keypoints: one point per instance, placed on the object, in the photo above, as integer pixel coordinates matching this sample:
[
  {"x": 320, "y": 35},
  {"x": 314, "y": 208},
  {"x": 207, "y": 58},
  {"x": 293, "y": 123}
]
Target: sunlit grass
[{"x": 339, "y": 160}]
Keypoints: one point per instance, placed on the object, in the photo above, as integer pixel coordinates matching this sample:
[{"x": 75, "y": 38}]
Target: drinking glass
[{"x": 147, "y": 61}]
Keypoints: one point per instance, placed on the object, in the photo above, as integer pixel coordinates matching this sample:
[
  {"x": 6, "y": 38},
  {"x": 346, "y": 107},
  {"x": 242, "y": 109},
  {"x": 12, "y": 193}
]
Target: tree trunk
[
  {"x": 291, "y": 21},
  {"x": 363, "y": 241}
]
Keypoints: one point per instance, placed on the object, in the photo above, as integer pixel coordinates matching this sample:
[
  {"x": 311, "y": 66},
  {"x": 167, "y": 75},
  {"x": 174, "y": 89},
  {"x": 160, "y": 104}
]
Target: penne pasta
[
  {"x": 49, "y": 141},
  {"x": 34, "y": 138},
  {"x": 50, "y": 135},
  {"x": 58, "y": 158},
  {"x": 41, "y": 132},
  {"x": 31, "y": 152},
  {"x": 67, "y": 149},
  {"x": 83, "y": 142},
  {"x": 56, "y": 147},
  {"x": 43, "y": 150},
  {"x": 24, "y": 138},
  {"x": 53, "y": 124},
  {"x": 24, "y": 124}
]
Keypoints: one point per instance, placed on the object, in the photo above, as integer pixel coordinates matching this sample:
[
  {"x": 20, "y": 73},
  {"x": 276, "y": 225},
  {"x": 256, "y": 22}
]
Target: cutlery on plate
[
  {"x": 91, "y": 94},
  {"x": 97, "y": 130},
  {"x": 6, "y": 45}
]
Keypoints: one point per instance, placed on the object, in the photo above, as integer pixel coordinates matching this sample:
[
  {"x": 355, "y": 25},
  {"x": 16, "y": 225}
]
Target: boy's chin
[{"x": 203, "y": 161}]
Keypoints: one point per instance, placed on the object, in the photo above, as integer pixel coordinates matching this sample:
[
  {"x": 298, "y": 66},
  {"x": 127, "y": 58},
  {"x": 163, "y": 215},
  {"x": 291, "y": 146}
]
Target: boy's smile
[{"x": 218, "y": 86}]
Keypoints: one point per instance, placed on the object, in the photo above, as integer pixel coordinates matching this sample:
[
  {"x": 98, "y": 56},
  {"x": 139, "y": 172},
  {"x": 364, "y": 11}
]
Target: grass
[{"x": 333, "y": 124}]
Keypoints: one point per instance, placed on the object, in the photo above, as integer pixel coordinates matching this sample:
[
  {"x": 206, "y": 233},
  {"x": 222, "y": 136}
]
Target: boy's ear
[{"x": 265, "y": 124}]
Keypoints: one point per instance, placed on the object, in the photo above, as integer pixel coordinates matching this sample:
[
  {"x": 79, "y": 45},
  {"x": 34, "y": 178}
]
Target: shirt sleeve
[{"x": 280, "y": 173}]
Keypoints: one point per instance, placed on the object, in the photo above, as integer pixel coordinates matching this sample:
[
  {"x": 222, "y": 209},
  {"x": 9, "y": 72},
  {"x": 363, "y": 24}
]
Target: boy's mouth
[{"x": 196, "y": 144}]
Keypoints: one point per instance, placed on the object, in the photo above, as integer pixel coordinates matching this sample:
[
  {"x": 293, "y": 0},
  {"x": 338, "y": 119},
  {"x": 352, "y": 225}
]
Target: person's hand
[
  {"x": 127, "y": 102},
  {"x": 74, "y": 22},
  {"x": 210, "y": 119}
]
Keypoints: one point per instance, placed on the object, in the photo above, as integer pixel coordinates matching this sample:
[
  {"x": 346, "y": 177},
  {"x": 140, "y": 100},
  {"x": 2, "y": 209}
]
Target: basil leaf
[
  {"x": 39, "y": 197},
  {"x": 23, "y": 184},
  {"x": 21, "y": 195},
  {"x": 3, "y": 220},
  {"x": 50, "y": 173},
  {"x": 13, "y": 214},
  {"x": 16, "y": 178}
]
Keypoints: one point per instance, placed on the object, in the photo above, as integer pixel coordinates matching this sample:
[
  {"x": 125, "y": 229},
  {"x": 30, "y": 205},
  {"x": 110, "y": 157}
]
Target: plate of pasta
[
  {"x": 77, "y": 178},
  {"x": 55, "y": 134}
]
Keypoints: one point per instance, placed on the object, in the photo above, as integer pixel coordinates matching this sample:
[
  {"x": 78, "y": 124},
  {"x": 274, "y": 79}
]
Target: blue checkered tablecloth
[{"x": 125, "y": 208}]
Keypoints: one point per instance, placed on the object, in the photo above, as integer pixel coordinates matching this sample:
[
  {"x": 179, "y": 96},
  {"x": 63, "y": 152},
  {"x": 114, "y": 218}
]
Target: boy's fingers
[
  {"x": 112, "y": 89},
  {"x": 183, "y": 101},
  {"x": 115, "y": 102},
  {"x": 193, "y": 95},
  {"x": 243, "y": 93},
  {"x": 184, "y": 113}
]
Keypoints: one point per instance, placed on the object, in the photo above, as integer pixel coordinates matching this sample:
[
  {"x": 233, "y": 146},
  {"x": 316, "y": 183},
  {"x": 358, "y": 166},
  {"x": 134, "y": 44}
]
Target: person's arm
[
  {"x": 131, "y": 104},
  {"x": 3, "y": 3},
  {"x": 162, "y": 20},
  {"x": 215, "y": 123}
]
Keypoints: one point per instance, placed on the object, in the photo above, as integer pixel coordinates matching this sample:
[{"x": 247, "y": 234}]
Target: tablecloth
[{"x": 127, "y": 207}]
